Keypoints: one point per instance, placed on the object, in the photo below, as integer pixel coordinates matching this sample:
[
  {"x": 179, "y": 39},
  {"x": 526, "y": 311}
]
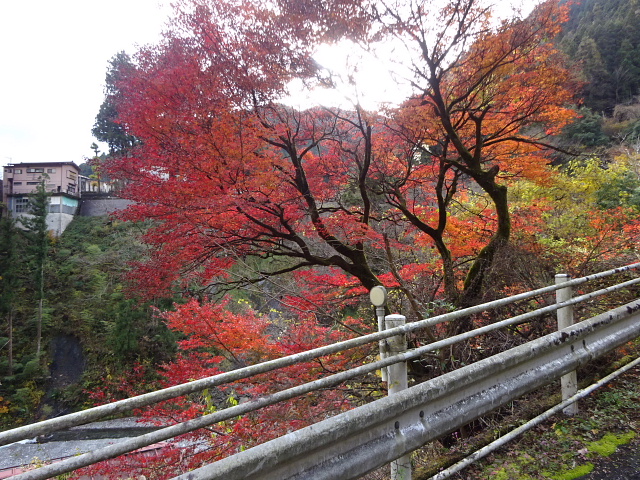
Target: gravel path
[{"x": 72, "y": 442}]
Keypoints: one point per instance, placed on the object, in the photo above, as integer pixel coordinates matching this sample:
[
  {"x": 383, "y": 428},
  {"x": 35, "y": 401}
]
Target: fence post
[
  {"x": 397, "y": 381},
  {"x": 568, "y": 382},
  {"x": 378, "y": 296}
]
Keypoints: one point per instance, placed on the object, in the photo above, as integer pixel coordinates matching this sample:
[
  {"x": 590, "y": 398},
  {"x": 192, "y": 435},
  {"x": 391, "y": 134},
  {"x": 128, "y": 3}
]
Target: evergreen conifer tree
[
  {"x": 39, "y": 242},
  {"x": 8, "y": 281}
]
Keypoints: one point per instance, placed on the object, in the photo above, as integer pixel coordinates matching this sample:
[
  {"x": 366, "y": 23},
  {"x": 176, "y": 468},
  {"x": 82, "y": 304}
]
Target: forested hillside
[
  {"x": 601, "y": 41},
  {"x": 602, "y": 36},
  {"x": 88, "y": 315},
  {"x": 259, "y": 228}
]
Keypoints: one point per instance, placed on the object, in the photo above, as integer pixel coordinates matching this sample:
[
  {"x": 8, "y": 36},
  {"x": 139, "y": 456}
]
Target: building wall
[
  {"x": 63, "y": 204},
  {"x": 58, "y": 222},
  {"x": 93, "y": 205}
]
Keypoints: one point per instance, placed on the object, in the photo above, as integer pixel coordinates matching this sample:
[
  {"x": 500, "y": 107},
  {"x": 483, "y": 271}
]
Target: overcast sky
[{"x": 54, "y": 56}]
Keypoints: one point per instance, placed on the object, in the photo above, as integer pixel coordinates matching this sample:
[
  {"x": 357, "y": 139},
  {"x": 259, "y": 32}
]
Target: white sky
[{"x": 54, "y": 56}]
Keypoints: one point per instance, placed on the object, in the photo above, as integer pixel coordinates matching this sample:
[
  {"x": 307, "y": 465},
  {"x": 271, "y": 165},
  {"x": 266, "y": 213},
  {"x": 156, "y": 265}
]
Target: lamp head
[{"x": 378, "y": 296}]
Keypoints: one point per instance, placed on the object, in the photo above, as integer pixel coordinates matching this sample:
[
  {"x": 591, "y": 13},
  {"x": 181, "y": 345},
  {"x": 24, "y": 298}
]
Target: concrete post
[
  {"x": 397, "y": 381},
  {"x": 568, "y": 382}
]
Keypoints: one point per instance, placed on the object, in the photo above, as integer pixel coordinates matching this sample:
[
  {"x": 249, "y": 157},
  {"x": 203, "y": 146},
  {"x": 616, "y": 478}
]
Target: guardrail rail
[{"x": 358, "y": 441}]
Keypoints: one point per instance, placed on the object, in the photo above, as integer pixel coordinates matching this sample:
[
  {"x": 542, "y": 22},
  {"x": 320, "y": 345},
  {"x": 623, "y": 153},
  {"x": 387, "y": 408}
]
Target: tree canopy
[
  {"x": 106, "y": 128},
  {"x": 229, "y": 172}
]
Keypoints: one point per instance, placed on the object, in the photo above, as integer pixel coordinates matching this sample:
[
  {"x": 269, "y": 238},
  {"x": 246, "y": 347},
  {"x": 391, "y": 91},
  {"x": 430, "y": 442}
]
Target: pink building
[
  {"x": 62, "y": 179},
  {"x": 22, "y": 178}
]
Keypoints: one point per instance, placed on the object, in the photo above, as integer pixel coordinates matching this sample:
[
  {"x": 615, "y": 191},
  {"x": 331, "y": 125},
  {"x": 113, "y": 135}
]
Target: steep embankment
[{"x": 91, "y": 328}]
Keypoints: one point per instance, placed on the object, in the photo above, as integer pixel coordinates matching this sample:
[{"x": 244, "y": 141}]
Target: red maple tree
[
  {"x": 242, "y": 188},
  {"x": 487, "y": 102},
  {"x": 229, "y": 174},
  {"x": 215, "y": 340}
]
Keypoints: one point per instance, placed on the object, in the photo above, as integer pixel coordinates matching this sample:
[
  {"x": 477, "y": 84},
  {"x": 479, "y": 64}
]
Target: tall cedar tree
[
  {"x": 8, "y": 281},
  {"x": 39, "y": 239},
  {"x": 229, "y": 173}
]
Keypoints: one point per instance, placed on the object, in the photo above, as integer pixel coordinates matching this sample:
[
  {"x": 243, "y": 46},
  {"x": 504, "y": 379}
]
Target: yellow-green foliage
[
  {"x": 574, "y": 216},
  {"x": 572, "y": 192},
  {"x": 608, "y": 444},
  {"x": 501, "y": 474}
]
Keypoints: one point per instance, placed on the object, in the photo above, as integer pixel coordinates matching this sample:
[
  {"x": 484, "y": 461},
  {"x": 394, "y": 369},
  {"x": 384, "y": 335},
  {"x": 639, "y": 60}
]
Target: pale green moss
[
  {"x": 609, "y": 443},
  {"x": 501, "y": 475},
  {"x": 526, "y": 459},
  {"x": 508, "y": 474},
  {"x": 577, "y": 472}
]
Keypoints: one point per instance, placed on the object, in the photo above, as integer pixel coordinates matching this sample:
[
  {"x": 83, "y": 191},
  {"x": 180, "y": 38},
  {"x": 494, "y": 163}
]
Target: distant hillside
[{"x": 603, "y": 37}]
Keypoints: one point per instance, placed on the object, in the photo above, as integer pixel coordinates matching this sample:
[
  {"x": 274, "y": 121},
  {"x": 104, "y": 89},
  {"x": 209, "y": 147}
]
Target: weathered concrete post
[
  {"x": 568, "y": 382},
  {"x": 378, "y": 296},
  {"x": 397, "y": 381}
]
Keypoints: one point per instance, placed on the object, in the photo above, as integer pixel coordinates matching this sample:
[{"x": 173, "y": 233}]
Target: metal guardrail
[
  {"x": 356, "y": 442},
  {"x": 375, "y": 434},
  {"x": 484, "y": 451}
]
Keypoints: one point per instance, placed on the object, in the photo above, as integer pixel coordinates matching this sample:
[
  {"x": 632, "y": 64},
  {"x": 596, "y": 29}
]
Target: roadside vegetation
[
  {"x": 562, "y": 448},
  {"x": 258, "y": 228}
]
